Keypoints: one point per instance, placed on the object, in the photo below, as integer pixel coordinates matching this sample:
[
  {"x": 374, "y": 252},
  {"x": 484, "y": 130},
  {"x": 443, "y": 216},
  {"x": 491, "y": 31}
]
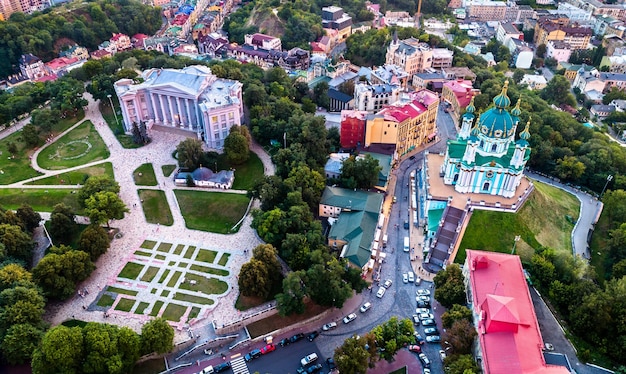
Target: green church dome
[
  {"x": 497, "y": 122},
  {"x": 502, "y": 101}
]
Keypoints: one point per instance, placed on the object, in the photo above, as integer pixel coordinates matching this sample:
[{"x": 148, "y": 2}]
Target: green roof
[
  {"x": 456, "y": 148},
  {"x": 434, "y": 216},
  {"x": 384, "y": 161}
]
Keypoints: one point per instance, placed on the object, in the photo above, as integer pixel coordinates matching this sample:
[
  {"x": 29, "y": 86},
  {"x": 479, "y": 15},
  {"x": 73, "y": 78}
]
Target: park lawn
[
  {"x": 155, "y": 207},
  {"x": 190, "y": 251},
  {"x": 192, "y": 299},
  {"x": 164, "y": 275},
  {"x": 209, "y": 270},
  {"x": 144, "y": 175},
  {"x": 211, "y": 211},
  {"x": 149, "y": 275},
  {"x": 118, "y": 129},
  {"x": 121, "y": 290},
  {"x": 106, "y": 300},
  {"x": 247, "y": 174},
  {"x": 168, "y": 170},
  {"x": 209, "y": 286},
  {"x": 247, "y": 302},
  {"x": 130, "y": 271},
  {"x": 142, "y": 253},
  {"x": 125, "y": 305},
  {"x": 80, "y": 146},
  {"x": 17, "y": 167},
  {"x": 224, "y": 259},
  {"x": 156, "y": 365},
  {"x": 206, "y": 255},
  {"x": 156, "y": 308},
  {"x": 194, "y": 312},
  {"x": 164, "y": 247},
  {"x": 179, "y": 249},
  {"x": 174, "y": 279},
  {"x": 77, "y": 176},
  {"x": 173, "y": 312},
  {"x": 540, "y": 222},
  {"x": 148, "y": 244},
  {"x": 40, "y": 199},
  {"x": 141, "y": 307}
]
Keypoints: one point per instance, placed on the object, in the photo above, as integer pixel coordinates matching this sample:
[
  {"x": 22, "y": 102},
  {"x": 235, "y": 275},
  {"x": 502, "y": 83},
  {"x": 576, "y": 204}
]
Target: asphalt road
[{"x": 286, "y": 359}]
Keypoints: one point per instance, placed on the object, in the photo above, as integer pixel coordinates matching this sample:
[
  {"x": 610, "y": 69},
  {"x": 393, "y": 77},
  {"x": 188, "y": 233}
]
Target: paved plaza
[{"x": 135, "y": 231}]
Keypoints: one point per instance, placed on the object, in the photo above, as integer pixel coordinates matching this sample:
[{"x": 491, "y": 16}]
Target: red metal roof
[
  {"x": 508, "y": 331},
  {"x": 403, "y": 112}
]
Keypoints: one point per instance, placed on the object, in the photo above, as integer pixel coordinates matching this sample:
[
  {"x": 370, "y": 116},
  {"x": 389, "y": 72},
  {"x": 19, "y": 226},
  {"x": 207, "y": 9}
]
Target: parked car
[
  {"x": 312, "y": 336},
  {"x": 422, "y": 310},
  {"x": 423, "y": 298},
  {"x": 423, "y": 304},
  {"x": 428, "y": 322},
  {"x": 411, "y": 277},
  {"x": 406, "y": 224},
  {"x": 365, "y": 307},
  {"x": 207, "y": 370},
  {"x": 255, "y": 353},
  {"x": 395, "y": 199},
  {"x": 416, "y": 319},
  {"x": 349, "y": 318},
  {"x": 329, "y": 326},
  {"x": 418, "y": 338},
  {"x": 308, "y": 359},
  {"x": 296, "y": 337},
  {"x": 381, "y": 292},
  {"x": 418, "y": 281},
  {"x": 424, "y": 359},
  {"x": 426, "y": 316},
  {"x": 415, "y": 348},
  {"x": 284, "y": 342},
  {"x": 312, "y": 369},
  {"x": 442, "y": 355},
  {"x": 331, "y": 363},
  {"x": 422, "y": 292},
  {"x": 221, "y": 367},
  {"x": 433, "y": 339},
  {"x": 431, "y": 331},
  {"x": 388, "y": 283},
  {"x": 405, "y": 278},
  {"x": 268, "y": 348},
  {"x": 426, "y": 371}
]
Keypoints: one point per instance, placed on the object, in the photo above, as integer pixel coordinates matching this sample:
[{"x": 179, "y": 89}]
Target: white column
[
  {"x": 165, "y": 117},
  {"x": 154, "y": 108},
  {"x": 169, "y": 102},
  {"x": 190, "y": 120}
]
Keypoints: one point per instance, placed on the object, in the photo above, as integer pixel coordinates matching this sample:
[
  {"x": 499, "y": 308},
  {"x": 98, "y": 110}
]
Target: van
[
  {"x": 385, "y": 241},
  {"x": 207, "y": 370},
  {"x": 411, "y": 277},
  {"x": 406, "y": 244}
]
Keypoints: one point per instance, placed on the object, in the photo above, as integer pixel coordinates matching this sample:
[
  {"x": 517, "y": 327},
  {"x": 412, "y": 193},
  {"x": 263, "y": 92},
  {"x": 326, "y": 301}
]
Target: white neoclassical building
[{"x": 190, "y": 99}]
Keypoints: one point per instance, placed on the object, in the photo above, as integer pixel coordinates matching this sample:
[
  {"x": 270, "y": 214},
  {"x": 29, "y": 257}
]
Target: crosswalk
[{"x": 239, "y": 366}]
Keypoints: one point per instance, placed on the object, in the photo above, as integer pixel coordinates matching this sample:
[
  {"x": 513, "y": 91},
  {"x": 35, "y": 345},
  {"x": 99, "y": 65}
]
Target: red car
[
  {"x": 268, "y": 348},
  {"x": 415, "y": 348}
]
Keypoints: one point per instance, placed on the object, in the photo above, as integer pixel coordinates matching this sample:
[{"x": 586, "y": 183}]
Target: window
[
  {"x": 494, "y": 147},
  {"x": 486, "y": 186},
  {"x": 231, "y": 115},
  {"x": 456, "y": 178},
  {"x": 214, "y": 119}
]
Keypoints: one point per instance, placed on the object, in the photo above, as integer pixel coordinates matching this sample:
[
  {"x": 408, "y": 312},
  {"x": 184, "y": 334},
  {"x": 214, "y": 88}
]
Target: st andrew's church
[{"x": 485, "y": 158}]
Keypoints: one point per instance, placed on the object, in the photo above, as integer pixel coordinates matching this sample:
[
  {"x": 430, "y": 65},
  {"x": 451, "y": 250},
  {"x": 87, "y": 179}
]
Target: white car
[
  {"x": 426, "y": 316},
  {"x": 366, "y": 307},
  {"x": 405, "y": 278},
  {"x": 422, "y": 310},
  {"x": 349, "y": 318},
  {"x": 381, "y": 292},
  {"x": 308, "y": 359},
  {"x": 442, "y": 355},
  {"x": 416, "y": 319},
  {"x": 421, "y": 292},
  {"x": 207, "y": 370},
  {"x": 418, "y": 281},
  {"x": 329, "y": 326},
  {"x": 388, "y": 283},
  {"x": 411, "y": 277},
  {"x": 425, "y": 299}
]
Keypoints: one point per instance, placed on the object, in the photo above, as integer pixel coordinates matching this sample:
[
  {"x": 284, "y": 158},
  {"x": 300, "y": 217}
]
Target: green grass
[
  {"x": 105, "y": 300},
  {"x": 144, "y": 175},
  {"x": 148, "y": 244},
  {"x": 179, "y": 249},
  {"x": 168, "y": 170},
  {"x": 125, "y": 305},
  {"x": 173, "y": 312},
  {"x": 165, "y": 293},
  {"x": 73, "y": 149},
  {"x": 246, "y": 302},
  {"x": 155, "y": 207},
  {"x": 74, "y": 323},
  {"x": 121, "y": 290},
  {"x": 211, "y": 211},
  {"x": 164, "y": 247},
  {"x": 192, "y": 299},
  {"x": 41, "y": 200},
  {"x": 248, "y": 174},
  {"x": 78, "y": 176},
  {"x": 172, "y": 263},
  {"x": 209, "y": 286},
  {"x": 599, "y": 248},
  {"x": 142, "y": 253},
  {"x": 130, "y": 271},
  {"x": 206, "y": 255},
  {"x": 118, "y": 129},
  {"x": 156, "y": 308},
  {"x": 194, "y": 312},
  {"x": 160, "y": 257},
  {"x": 141, "y": 307},
  {"x": 149, "y": 275},
  {"x": 174, "y": 279},
  {"x": 209, "y": 270},
  {"x": 183, "y": 265},
  {"x": 224, "y": 259},
  {"x": 153, "y": 291},
  {"x": 540, "y": 222},
  {"x": 189, "y": 252},
  {"x": 165, "y": 274}
]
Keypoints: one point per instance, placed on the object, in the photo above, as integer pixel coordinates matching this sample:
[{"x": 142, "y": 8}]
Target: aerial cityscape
[{"x": 344, "y": 187}]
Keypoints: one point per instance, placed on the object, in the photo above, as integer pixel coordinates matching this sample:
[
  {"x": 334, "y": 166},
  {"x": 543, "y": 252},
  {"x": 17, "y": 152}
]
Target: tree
[
  {"x": 541, "y": 51},
  {"x": 13, "y": 274},
  {"x": 157, "y": 336},
  {"x": 254, "y": 279},
  {"x": 19, "y": 343},
  {"x": 189, "y": 152},
  {"x": 456, "y": 313},
  {"x": 461, "y": 364},
  {"x": 291, "y": 300},
  {"x": 21, "y": 305},
  {"x": 613, "y": 94},
  {"x": 324, "y": 282},
  {"x": 62, "y": 223},
  {"x": 44, "y": 119},
  {"x": 461, "y": 336},
  {"x": 361, "y": 172},
  {"x": 320, "y": 95},
  {"x": 450, "y": 286},
  {"x": 569, "y": 168},
  {"x": 393, "y": 335},
  {"x": 61, "y": 351},
  {"x": 236, "y": 146},
  {"x": 352, "y": 356},
  {"x": 30, "y": 135},
  {"x": 29, "y": 217},
  {"x": 103, "y": 206},
  {"x": 17, "y": 243},
  {"x": 557, "y": 91},
  {"x": 518, "y": 75},
  {"x": 94, "y": 240},
  {"x": 59, "y": 272},
  {"x": 96, "y": 184}
]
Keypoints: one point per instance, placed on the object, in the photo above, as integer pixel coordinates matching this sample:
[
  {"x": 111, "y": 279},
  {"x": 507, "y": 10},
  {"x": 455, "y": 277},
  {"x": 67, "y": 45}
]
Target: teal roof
[
  {"x": 434, "y": 216},
  {"x": 497, "y": 122},
  {"x": 456, "y": 148},
  {"x": 384, "y": 161},
  {"x": 352, "y": 200}
]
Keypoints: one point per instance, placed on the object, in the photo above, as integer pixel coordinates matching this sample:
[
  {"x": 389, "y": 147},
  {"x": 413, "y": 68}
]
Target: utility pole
[{"x": 418, "y": 15}]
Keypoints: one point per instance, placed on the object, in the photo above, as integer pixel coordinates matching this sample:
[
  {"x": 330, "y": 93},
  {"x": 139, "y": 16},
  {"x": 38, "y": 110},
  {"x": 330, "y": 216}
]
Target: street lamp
[
  {"x": 117, "y": 123},
  {"x": 608, "y": 179},
  {"x": 517, "y": 239}
]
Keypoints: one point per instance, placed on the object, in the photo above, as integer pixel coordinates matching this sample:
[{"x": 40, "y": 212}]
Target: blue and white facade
[
  {"x": 190, "y": 99},
  {"x": 485, "y": 158}
]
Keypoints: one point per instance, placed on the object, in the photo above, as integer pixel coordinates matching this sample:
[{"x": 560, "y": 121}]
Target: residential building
[
  {"x": 617, "y": 11},
  {"x": 571, "y": 70},
  {"x": 205, "y": 177},
  {"x": 521, "y": 53},
  {"x": 602, "y": 23},
  {"x": 352, "y": 128},
  {"x": 618, "y": 29},
  {"x": 373, "y": 97},
  {"x": 75, "y": 51},
  {"x": 574, "y": 13},
  {"x": 121, "y": 42},
  {"x": 506, "y": 31},
  {"x": 62, "y": 65},
  {"x": 389, "y": 74},
  {"x": 212, "y": 44},
  {"x": 485, "y": 10},
  {"x": 613, "y": 80},
  {"x": 611, "y": 44},
  {"x": 100, "y": 54},
  {"x": 509, "y": 338},
  {"x": 407, "y": 124},
  {"x": 180, "y": 26},
  {"x": 426, "y": 80},
  {"x": 534, "y": 81},
  {"x": 335, "y": 18},
  {"x": 354, "y": 217},
  {"x": 190, "y": 99},
  {"x": 410, "y": 54},
  {"x": 518, "y": 13},
  {"x": 560, "y": 51},
  {"x": 8, "y": 7},
  {"x": 615, "y": 64},
  {"x": 620, "y": 105},
  {"x": 577, "y": 37},
  {"x": 485, "y": 158},
  {"x": 601, "y": 111},
  {"x": 442, "y": 58},
  {"x": 457, "y": 94},
  {"x": 294, "y": 59},
  {"x": 339, "y": 101},
  {"x": 332, "y": 169},
  {"x": 588, "y": 80},
  {"x": 458, "y": 72},
  {"x": 31, "y": 66},
  {"x": 263, "y": 41}
]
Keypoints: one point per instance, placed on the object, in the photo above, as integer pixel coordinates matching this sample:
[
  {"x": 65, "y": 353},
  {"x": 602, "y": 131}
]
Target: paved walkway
[{"x": 135, "y": 229}]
